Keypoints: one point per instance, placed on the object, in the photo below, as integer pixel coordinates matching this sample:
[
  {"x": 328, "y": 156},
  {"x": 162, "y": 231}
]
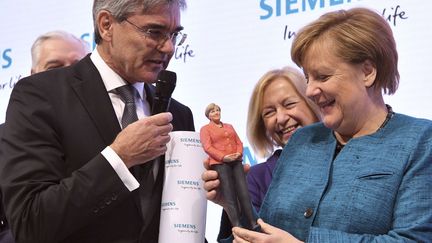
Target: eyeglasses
[{"x": 160, "y": 36}]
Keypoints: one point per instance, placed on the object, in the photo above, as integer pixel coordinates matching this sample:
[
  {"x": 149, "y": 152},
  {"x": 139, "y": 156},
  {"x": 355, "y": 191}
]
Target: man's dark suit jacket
[
  {"x": 5, "y": 233},
  {"x": 3, "y": 222},
  {"x": 56, "y": 184}
]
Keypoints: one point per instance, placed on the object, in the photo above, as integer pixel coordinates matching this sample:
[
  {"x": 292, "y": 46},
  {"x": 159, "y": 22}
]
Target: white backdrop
[{"x": 230, "y": 45}]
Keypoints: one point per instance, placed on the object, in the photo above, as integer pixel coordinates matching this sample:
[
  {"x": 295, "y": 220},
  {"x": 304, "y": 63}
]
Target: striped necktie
[
  {"x": 126, "y": 93},
  {"x": 148, "y": 201}
]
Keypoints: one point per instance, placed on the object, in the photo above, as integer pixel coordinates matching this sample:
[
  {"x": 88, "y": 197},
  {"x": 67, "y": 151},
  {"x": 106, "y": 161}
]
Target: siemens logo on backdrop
[
  {"x": 275, "y": 7},
  {"x": 5, "y": 58}
]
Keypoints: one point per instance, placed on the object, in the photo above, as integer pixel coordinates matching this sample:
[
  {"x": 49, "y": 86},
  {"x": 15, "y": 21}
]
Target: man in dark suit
[
  {"x": 5, "y": 233},
  {"x": 65, "y": 175},
  {"x": 50, "y": 50}
]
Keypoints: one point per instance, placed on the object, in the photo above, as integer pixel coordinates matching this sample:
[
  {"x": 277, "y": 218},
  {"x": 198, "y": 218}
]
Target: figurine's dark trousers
[{"x": 235, "y": 194}]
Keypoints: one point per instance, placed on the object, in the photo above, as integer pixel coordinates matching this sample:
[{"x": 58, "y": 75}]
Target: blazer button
[
  {"x": 308, "y": 213},
  {"x": 107, "y": 202}
]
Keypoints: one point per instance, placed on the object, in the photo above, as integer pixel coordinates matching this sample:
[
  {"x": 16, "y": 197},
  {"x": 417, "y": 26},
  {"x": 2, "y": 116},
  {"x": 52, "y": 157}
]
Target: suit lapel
[
  {"x": 90, "y": 89},
  {"x": 92, "y": 93}
]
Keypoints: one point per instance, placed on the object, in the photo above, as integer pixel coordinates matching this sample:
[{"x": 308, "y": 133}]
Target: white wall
[{"x": 230, "y": 45}]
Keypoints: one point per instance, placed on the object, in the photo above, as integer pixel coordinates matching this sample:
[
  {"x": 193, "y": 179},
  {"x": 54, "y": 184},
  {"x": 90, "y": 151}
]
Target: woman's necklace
[{"x": 390, "y": 113}]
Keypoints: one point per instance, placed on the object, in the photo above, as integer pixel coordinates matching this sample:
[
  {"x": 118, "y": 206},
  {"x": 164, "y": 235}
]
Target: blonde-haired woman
[{"x": 277, "y": 108}]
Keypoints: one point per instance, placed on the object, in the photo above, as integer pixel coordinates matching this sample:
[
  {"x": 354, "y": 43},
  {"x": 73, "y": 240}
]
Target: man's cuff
[{"x": 120, "y": 168}]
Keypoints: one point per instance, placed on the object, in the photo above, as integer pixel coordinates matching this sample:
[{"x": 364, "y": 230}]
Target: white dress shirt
[{"x": 112, "y": 81}]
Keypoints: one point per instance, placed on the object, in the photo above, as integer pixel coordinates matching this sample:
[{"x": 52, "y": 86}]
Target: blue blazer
[{"x": 378, "y": 188}]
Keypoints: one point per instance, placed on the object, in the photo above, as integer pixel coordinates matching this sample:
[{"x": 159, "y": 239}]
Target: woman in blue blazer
[{"x": 363, "y": 174}]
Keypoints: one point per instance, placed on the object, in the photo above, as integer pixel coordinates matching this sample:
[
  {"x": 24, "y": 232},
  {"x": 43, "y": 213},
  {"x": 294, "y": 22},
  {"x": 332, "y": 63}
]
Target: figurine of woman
[{"x": 225, "y": 150}]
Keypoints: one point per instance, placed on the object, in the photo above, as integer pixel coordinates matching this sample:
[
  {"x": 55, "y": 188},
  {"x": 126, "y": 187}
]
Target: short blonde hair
[
  {"x": 209, "y": 108},
  {"x": 256, "y": 132},
  {"x": 358, "y": 34}
]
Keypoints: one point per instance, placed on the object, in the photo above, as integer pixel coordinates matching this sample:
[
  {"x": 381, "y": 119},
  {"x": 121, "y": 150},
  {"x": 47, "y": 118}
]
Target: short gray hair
[
  {"x": 56, "y": 34},
  {"x": 122, "y": 9}
]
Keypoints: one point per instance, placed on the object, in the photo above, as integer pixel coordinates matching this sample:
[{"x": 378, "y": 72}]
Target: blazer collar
[{"x": 89, "y": 87}]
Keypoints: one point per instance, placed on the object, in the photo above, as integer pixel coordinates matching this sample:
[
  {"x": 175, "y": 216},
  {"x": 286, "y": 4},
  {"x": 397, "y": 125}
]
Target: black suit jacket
[
  {"x": 57, "y": 187},
  {"x": 5, "y": 232},
  {"x": 3, "y": 222}
]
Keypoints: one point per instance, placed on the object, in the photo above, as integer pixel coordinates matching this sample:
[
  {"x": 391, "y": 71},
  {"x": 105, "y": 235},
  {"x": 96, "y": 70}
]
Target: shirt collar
[{"x": 110, "y": 78}]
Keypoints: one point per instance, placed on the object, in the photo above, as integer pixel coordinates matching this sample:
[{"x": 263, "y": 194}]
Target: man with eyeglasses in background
[{"x": 67, "y": 152}]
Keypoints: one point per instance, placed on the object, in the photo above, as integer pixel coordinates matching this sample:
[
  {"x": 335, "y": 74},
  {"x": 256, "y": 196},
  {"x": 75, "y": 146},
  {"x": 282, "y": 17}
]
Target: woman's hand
[
  {"x": 232, "y": 157},
  {"x": 270, "y": 234},
  {"x": 239, "y": 156},
  {"x": 211, "y": 183}
]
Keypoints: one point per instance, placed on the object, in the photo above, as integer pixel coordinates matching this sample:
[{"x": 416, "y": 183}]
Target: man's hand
[{"x": 144, "y": 139}]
